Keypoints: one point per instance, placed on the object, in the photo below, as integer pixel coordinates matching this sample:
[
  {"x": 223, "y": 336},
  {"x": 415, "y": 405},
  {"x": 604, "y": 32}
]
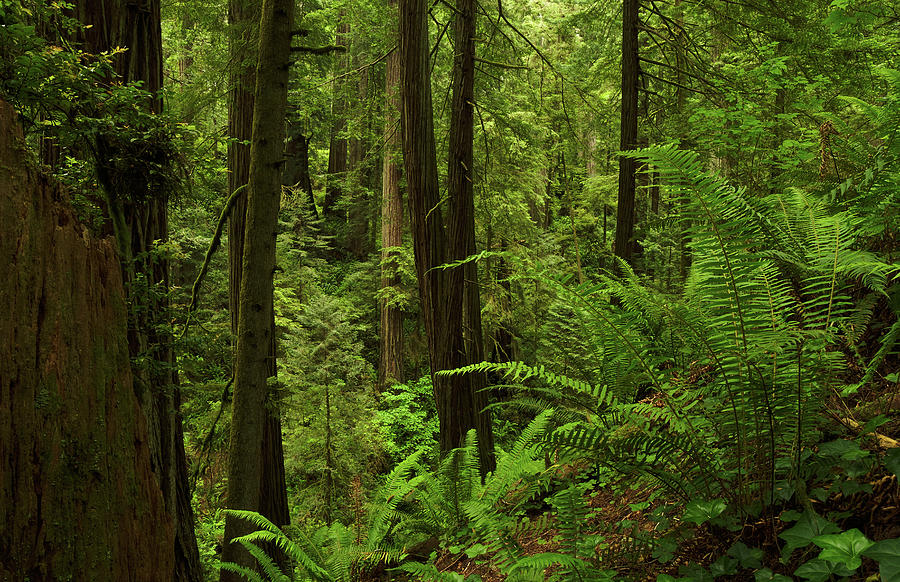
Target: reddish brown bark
[
  {"x": 139, "y": 210},
  {"x": 440, "y": 290},
  {"x": 390, "y": 363},
  {"x": 624, "y": 242},
  {"x": 462, "y": 290},
  {"x": 78, "y": 498}
]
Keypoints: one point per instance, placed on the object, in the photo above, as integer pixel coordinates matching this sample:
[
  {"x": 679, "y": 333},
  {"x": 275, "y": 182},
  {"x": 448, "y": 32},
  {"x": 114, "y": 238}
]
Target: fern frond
[
  {"x": 429, "y": 573},
  {"x": 250, "y": 575}
]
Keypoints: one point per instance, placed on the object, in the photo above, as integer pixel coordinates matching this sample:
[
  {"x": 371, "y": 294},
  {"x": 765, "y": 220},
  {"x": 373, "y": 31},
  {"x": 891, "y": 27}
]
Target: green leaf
[
  {"x": 475, "y": 550},
  {"x": 892, "y": 461},
  {"x": 766, "y": 575},
  {"x": 844, "y": 548},
  {"x": 695, "y": 573},
  {"x": 874, "y": 423},
  {"x": 887, "y": 554},
  {"x": 819, "y": 570},
  {"x": 701, "y": 511},
  {"x": 807, "y": 527},
  {"x": 724, "y": 566},
  {"x": 748, "y": 557},
  {"x": 843, "y": 449}
]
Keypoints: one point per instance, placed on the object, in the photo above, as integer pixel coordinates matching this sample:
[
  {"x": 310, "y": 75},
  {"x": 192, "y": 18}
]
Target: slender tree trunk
[
  {"x": 571, "y": 212},
  {"x": 360, "y": 175},
  {"x": 624, "y": 242},
  {"x": 390, "y": 363},
  {"x": 337, "y": 149},
  {"x": 253, "y": 358},
  {"x": 142, "y": 223},
  {"x": 684, "y": 258},
  {"x": 244, "y": 16}
]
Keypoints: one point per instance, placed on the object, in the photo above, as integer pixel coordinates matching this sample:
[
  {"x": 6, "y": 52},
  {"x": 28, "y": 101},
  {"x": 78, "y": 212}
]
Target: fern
[{"x": 429, "y": 573}]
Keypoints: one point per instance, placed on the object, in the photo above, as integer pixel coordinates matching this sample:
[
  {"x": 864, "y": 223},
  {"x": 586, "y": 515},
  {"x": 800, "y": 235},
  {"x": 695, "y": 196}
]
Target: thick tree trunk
[
  {"x": 142, "y": 223},
  {"x": 390, "y": 363},
  {"x": 296, "y": 168},
  {"x": 442, "y": 301},
  {"x": 78, "y": 497},
  {"x": 624, "y": 242},
  {"x": 253, "y": 358},
  {"x": 463, "y": 289}
]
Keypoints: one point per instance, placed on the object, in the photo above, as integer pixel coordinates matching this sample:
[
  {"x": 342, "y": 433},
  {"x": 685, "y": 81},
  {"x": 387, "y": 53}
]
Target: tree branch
[{"x": 319, "y": 50}]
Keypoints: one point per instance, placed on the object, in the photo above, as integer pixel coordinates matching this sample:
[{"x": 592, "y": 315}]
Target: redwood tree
[
  {"x": 463, "y": 290},
  {"x": 79, "y": 499},
  {"x": 440, "y": 290},
  {"x": 390, "y": 363},
  {"x": 137, "y": 206},
  {"x": 628, "y": 126}
]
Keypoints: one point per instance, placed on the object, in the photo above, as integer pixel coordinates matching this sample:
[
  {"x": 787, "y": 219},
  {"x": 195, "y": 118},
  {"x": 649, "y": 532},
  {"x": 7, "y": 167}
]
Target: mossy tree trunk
[
  {"x": 243, "y": 17},
  {"x": 253, "y": 357},
  {"x": 79, "y": 499},
  {"x": 140, "y": 209}
]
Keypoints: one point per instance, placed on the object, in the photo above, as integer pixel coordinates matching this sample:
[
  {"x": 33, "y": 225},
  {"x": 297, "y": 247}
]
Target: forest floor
[
  {"x": 877, "y": 514},
  {"x": 627, "y": 528}
]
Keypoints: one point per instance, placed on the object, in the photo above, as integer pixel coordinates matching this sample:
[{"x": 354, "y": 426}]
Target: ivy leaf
[
  {"x": 748, "y": 557},
  {"x": 843, "y": 449},
  {"x": 819, "y": 570},
  {"x": 700, "y": 511},
  {"x": 766, "y": 575},
  {"x": 844, "y": 548},
  {"x": 809, "y": 525},
  {"x": 892, "y": 461},
  {"x": 695, "y": 573},
  {"x": 887, "y": 554},
  {"x": 724, "y": 566}
]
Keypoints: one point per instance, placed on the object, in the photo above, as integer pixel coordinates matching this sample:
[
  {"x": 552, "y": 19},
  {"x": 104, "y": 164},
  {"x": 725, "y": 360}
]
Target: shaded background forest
[{"x": 711, "y": 368}]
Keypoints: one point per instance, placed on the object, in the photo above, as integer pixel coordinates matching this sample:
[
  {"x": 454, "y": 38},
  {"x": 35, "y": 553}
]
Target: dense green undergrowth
[{"x": 755, "y": 405}]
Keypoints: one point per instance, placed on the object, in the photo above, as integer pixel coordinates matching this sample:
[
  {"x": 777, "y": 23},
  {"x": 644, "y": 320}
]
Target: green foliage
[
  {"x": 336, "y": 553},
  {"x": 408, "y": 419}
]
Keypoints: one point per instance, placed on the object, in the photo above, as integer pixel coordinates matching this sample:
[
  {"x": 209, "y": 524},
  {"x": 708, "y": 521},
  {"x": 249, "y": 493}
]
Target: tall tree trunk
[
  {"x": 296, "y": 168},
  {"x": 78, "y": 497},
  {"x": 337, "y": 148},
  {"x": 244, "y": 17},
  {"x": 361, "y": 180},
  {"x": 680, "y": 40},
  {"x": 390, "y": 363},
  {"x": 460, "y": 179},
  {"x": 253, "y": 358},
  {"x": 624, "y": 242},
  {"x": 141, "y": 220},
  {"x": 442, "y": 302}
]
